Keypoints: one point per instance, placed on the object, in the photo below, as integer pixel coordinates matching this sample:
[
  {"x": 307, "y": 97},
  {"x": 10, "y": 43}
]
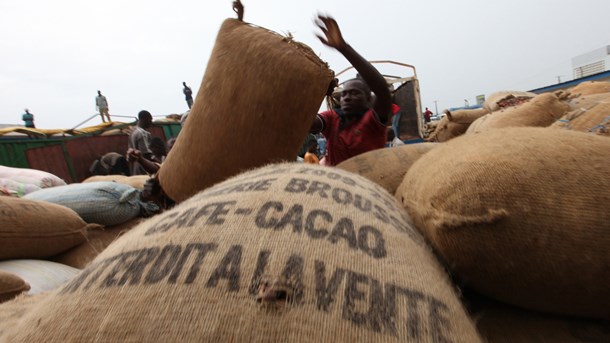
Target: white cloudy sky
[{"x": 55, "y": 54}]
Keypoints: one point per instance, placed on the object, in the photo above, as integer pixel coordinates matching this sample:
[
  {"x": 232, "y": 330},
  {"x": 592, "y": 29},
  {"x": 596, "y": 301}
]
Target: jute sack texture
[
  {"x": 135, "y": 181},
  {"x": 12, "y": 311},
  {"x": 256, "y": 82},
  {"x": 97, "y": 240},
  {"x": 284, "y": 253},
  {"x": 591, "y": 87},
  {"x": 386, "y": 167},
  {"x": 520, "y": 215},
  {"x": 591, "y": 115},
  {"x": 11, "y": 286},
  {"x": 504, "y": 324},
  {"x": 105, "y": 203},
  {"x": 503, "y": 99},
  {"x": 541, "y": 111},
  {"x": 455, "y": 123},
  {"x": 37, "y": 229}
]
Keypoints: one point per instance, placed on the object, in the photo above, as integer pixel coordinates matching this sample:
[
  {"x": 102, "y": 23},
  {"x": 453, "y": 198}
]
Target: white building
[{"x": 594, "y": 62}]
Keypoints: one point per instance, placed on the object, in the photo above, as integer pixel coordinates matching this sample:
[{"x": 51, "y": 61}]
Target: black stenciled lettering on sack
[
  {"x": 229, "y": 268},
  {"x": 326, "y": 291},
  {"x": 135, "y": 269},
  {"x": 293, "y": 276},
  {"x": 142, "y": 266},
  {"x": 360, "y": 202},
  {"x": 261, "y": 264},
  {"x": 202, "y": 250},
  {"x": 163, "y": 265},
  {"x": 215, "y": 213},
  {"x": 123, "y": 264},
  {"x": 320, "y": 224},
  {"x": 330, "y": 175},
  {"x": 378, "y": 305},
  {"x": 242, "y": 187}
]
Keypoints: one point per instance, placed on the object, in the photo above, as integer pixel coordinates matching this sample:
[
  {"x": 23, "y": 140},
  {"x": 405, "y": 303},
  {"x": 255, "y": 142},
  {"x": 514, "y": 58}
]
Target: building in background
[{"x": 591, "y": 63}]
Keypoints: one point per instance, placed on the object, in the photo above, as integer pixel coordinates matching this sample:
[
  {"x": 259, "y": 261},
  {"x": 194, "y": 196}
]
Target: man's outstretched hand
[{"x": 332, "y": 32}]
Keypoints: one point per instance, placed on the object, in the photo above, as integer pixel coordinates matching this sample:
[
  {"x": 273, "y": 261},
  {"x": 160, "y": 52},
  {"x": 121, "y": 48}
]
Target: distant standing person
[
  {"x": 102, "y": 105},
  {"x": 28, "y": 119},
  {"x": 427, "y": 115},
  {"x": 188, "y": 94}
]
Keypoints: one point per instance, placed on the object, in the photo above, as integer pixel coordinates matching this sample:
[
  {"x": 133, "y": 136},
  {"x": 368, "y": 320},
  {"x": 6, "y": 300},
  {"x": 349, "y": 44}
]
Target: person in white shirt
[{"x": 102, "y": 105}]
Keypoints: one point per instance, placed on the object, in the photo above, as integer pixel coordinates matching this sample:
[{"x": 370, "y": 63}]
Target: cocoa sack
[
  {"x": 591, "y": 87},
  {"x": 97, "y": 240},
  {"x": 11, "y": 286},
  {"x": 12, "y": 311},
  {"x": 455, "y": 123},
  {"x": 37, "y": 229},
  {"x": 386, "y": 167},
  {"x": 505, "y": 99},
  {"x": 591, "y": 114},
  {"x": 521, "y": 215},
  {"x": 135, "y": 181},
  {"x": 505, "y": 324},
  {"x": 541, "y": 111},
  {"x": 279, "y": 254},
  {"x": 248, "y": 90}
]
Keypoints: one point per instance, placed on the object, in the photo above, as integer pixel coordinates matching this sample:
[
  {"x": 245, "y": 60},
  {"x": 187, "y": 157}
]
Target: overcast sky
[{"x": 55, "y": 54}]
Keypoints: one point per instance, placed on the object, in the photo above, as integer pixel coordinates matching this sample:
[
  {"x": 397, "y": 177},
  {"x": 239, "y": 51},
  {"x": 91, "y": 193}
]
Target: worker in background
[
  {"x": 102, "y": 106},
  {"x": 359, "y": 125},
  {"x": 28, "y": 119}
]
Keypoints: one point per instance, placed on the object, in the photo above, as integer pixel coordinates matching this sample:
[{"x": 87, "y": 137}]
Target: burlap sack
[
  {"x": 455, "y": 124},
  {"x": 135, "y": 181},
  {"x": 386, "y": 167},
  {"x": 11, "y": 286},
  {"x": 541, "y": 111},
  {"x": 503, "y": 99},
  {"x": 591, "y": 114},
  {"x": 503, "y": 324},
  {"x": 97, "y": 240},
  {"x": 256, "y": 83},
  {"x": 591, "y": 87},
  {"x": 12, "y": 311},
  {"x": 521, "y": 215},
  {"x": 108, "y": 178},
  {"x": 37, "y": 229},
  {"x": 284, "y": 253}
]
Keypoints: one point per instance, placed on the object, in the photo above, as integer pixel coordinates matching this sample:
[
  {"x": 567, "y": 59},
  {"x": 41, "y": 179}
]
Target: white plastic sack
[{"x": 41, "y": 275}]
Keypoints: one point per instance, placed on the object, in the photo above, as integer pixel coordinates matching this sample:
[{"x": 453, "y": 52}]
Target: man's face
[
  {"x": 147, "y": 121},
  {"x": 354, "y": 97}
]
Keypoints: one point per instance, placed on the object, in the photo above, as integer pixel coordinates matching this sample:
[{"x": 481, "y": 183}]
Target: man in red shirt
[{"x": 360, "y": 124}]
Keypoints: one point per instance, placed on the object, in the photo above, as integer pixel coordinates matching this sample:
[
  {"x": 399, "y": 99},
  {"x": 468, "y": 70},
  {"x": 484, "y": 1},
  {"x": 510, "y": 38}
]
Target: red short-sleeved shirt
[{"x": 357, "y": 137}]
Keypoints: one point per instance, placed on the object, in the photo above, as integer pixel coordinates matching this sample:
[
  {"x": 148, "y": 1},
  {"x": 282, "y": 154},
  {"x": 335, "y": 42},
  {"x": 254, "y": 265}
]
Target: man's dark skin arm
[{"x": 372, "y": 77}]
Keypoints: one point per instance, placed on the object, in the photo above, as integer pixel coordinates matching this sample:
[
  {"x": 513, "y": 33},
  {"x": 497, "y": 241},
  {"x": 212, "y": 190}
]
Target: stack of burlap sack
[
  {"x": 286, "y": 252},
  {"x": 369, "y": 251},
  {"x": 584, "y": 107},
  {"x": 519, "y": 217},
  {"x": 69, "y": 224}
]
